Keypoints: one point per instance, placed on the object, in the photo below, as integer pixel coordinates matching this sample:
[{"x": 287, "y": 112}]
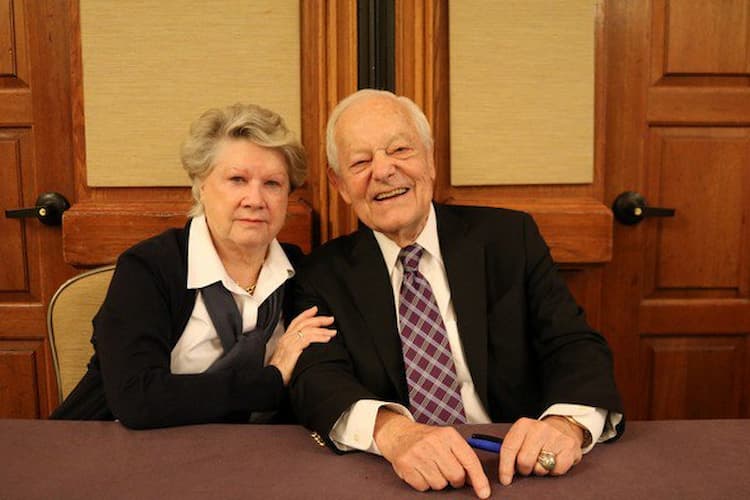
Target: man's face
[{"x": 386, "y": 173}]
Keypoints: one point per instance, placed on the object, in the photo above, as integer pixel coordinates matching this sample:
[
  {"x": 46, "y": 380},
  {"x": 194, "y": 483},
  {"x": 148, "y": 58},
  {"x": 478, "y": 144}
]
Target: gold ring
[
  {"x": 300, "y": 334},
  {"x": 547, "y": 460}
]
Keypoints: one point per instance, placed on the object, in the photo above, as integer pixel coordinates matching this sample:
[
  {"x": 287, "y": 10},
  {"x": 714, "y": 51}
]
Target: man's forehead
[{"x": 375, "y": 118}]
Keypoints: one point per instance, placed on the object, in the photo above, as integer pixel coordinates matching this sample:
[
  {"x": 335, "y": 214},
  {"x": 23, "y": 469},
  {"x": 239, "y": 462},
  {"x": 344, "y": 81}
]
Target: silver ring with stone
[{"x": 547, "y": 460}]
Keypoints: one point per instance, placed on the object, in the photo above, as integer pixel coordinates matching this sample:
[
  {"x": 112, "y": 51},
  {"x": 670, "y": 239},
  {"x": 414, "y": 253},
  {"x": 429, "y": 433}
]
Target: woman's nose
[{"x": 252, "y": 195}]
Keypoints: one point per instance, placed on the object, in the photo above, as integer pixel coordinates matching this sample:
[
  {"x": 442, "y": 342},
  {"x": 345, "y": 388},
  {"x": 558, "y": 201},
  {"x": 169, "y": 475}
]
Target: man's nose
[{"x": 383, "y": 165}]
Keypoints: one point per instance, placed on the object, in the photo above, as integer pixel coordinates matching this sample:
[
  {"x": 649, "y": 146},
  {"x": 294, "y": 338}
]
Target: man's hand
[
  {"x": 527, "y": 438},
  {"x": 428, "y": 457}
]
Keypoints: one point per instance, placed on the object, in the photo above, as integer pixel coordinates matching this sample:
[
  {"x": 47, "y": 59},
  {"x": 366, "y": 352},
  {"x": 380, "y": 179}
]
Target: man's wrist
[
  {"x": 388, "y": 423},
  {"x": 586, "y": 433}
]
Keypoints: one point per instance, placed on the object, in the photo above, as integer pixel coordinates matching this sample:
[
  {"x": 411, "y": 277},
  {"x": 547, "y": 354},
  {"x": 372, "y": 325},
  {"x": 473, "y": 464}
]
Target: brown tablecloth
[{"x": 698, "y": 459}]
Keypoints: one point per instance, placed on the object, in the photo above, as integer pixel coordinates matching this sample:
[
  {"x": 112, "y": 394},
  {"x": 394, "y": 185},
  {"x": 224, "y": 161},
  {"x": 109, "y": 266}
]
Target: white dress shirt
[
  {"x": 199, "y": 346},
  {"x": 354, "y": 428}
]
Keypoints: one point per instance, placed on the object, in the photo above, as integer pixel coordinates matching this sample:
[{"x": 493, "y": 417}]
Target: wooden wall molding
[
  {"x": 329, "y": 73},
  {"x": 97, "y": 232},
  {"x": 578, "y": 231}
]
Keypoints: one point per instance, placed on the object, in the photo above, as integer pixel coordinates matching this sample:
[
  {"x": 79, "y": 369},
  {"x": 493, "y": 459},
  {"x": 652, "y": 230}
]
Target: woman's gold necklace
[{"x": 251, "y": 289}]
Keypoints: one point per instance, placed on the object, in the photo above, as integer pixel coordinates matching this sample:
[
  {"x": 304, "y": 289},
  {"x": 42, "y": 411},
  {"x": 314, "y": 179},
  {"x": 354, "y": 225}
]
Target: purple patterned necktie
[{"x": 434, "y": 396}]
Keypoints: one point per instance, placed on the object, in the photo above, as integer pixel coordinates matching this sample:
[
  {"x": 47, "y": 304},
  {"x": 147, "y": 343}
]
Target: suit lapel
[
  {"x": 370, "y": 286},
  {"x": 465, "y": 267}
]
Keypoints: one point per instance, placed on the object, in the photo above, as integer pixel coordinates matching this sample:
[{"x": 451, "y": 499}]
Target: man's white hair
[{"x": 416, "y": 114}]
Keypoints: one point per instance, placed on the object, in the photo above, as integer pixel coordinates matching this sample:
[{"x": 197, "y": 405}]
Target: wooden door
[
  {"x": 676, "y": 295},
  {"x": 35, "y": 156}
]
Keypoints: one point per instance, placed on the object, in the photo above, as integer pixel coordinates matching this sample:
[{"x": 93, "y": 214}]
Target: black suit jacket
[
  {"x": 141, "y": 320},
  {"x": 526, "y": 341}
]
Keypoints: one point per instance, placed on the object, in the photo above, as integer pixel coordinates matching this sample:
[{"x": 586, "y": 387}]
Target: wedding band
[
  {"x": 300, "y": 334},
  {"x": 547, "y": 460}
]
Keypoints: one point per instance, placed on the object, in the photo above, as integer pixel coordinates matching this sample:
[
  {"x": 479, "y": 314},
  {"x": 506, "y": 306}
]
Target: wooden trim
[
  {"x": 708, "y": 106},
  {"x": 578, "y": 231},
  {"x": 341, "y": 80},
  {"x": 17, "y": 107},
  {"x": 314, "y": 106},
  {"x": 418, "y": 69},
  {"x": 329, "y": 73},
  {"x": 703, "y": 316},
  {"x": 98, "y": 232}
]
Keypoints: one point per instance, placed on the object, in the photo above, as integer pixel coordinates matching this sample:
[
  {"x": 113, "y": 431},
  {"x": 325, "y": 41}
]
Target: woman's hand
[{"x": 303, "y": 330}]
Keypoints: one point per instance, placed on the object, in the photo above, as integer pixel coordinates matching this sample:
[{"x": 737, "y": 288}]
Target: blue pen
[{"x": 485, "y": 442}]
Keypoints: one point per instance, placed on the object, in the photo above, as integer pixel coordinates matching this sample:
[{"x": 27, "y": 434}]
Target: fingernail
[
  {"x": 505, "y": 480},
  {"x": 484, "y": 492}
]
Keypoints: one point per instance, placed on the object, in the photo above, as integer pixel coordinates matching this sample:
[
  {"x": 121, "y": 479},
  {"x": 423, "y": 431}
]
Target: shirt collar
[
  {"x": 205, "y": 266},
  {"x": 427, "y": 239}
]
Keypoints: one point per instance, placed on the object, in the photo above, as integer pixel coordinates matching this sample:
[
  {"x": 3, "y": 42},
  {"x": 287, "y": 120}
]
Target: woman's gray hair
[
  {"x": 251, "y": 122},
  {"x": 417, "y": 116}
]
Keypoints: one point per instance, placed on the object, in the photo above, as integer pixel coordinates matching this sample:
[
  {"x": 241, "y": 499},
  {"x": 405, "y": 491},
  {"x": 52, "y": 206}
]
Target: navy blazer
[{"x": 526, "y": 341}]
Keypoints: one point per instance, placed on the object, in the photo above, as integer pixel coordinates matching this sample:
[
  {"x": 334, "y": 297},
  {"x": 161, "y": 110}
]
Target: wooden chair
[{"x": 69, "y": 324}]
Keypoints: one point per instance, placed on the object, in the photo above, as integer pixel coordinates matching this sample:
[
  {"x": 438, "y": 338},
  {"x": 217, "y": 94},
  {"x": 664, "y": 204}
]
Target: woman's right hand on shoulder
[{"x": 302, "y": 331}]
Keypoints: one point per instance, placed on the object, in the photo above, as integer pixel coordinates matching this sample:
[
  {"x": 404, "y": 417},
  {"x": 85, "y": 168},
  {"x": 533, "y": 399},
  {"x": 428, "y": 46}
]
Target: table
[{"x": 39, "y": 459}]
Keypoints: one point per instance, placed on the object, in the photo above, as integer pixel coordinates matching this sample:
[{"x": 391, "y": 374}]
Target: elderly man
[{"x": 445, "y": 315}]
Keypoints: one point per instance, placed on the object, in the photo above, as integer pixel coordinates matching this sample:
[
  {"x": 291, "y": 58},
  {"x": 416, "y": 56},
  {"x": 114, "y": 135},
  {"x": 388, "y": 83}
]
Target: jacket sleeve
[
  {"x": 324, "y": 384},
  {"x": 575, "y": 361}
]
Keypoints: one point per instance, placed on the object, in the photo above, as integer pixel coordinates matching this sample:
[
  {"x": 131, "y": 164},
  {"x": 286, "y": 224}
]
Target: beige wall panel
[
  {"x": 522, "y": 92},
  {"x": 150, "y": 68}
]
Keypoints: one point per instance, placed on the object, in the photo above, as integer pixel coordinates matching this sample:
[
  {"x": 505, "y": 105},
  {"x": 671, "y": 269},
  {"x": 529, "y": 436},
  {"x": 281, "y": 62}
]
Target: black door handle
[
  {"x": 631, "y": 208},
  {"x": 49, "y": 209}
]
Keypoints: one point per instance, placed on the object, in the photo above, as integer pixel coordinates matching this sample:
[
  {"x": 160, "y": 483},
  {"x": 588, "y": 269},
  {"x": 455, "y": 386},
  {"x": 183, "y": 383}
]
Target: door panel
[
  {"x": 676, "y": 302},
  {"x": 693, "y": 377},
  {"x": 22, "y": 378},
  {"x": 704, "y": 172},
  {"x": 708, "y": 37},
  {"x": 15, "y": 146}
]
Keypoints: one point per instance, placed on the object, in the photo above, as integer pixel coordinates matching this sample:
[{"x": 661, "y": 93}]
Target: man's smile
[{"x": 393, "y": 193}]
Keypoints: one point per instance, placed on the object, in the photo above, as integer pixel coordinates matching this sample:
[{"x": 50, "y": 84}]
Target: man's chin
[{"x": 397, "y": 230}]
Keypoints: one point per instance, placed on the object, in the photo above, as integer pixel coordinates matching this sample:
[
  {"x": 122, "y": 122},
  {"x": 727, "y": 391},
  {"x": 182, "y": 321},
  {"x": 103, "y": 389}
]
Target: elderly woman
[{"x": 191, "y": 330}]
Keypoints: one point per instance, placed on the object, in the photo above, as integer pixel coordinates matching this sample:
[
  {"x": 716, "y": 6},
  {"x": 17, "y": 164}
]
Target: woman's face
[{"x": 245, "y": 196}]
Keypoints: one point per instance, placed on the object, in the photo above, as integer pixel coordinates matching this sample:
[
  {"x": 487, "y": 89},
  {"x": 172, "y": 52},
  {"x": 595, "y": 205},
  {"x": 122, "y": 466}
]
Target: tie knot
[{"x": 409, "y": 257}]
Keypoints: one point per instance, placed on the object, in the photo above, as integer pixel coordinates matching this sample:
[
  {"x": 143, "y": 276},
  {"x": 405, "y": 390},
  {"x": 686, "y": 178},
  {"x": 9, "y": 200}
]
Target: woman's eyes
[{"x": 238, "y": 180}]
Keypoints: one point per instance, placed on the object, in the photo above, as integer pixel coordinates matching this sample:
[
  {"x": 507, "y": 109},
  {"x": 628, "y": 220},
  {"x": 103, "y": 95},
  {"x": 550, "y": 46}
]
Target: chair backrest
[{"x": 69, "y": 324}]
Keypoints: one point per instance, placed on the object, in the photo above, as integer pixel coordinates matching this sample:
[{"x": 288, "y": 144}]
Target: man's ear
[
  {"x": 431, "y": 164},
  {"x": 340, "y": 186}
]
